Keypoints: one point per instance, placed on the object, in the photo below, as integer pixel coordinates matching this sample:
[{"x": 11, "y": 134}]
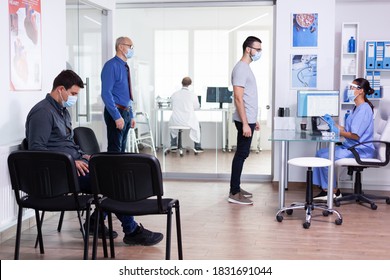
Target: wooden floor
[{"x": 213, "y": 229}]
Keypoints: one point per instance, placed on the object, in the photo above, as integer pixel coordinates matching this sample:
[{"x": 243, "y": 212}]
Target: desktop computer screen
[
  {"x": 316, "y": 103},
  {"x": 219, "y": 95}
]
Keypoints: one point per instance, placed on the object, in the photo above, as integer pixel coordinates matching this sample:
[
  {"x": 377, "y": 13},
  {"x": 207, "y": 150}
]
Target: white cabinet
[{"x": 349, "y": 64}]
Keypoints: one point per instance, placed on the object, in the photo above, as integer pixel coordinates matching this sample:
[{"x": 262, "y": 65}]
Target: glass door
[{"x": 85, "y": 26}]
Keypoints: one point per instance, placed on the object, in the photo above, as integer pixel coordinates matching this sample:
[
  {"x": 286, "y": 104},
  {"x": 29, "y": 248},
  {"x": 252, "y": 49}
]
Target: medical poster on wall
[
  {"x": 25, "y": 44},
  {"x": 303, "y": 71},
  {"x": 305, "y": 30}
]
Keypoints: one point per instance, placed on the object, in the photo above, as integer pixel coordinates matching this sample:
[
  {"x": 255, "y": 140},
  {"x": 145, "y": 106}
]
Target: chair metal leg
[
  {"x": 18, "y": 233},
  {"x": 86, "y": 232},
  {"x": 36, "y": 240},
  {"x": 168, "y": 238},
  {"x": 95, "y": 235},
  {"x": 59, "y": 227},
  {"x": 112, "y": 249},
  {"x": 39, "y": 228},
  {"x": 178, "y": 231}
]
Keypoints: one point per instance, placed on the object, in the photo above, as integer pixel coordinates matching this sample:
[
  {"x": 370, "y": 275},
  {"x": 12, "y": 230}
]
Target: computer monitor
[
  {"x": 219, "y": 95},
  {"x": 316, "y": 103}
]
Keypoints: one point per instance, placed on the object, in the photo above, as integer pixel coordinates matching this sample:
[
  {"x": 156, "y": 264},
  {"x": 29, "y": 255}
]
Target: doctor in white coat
[{"x": 184, "y": 103}]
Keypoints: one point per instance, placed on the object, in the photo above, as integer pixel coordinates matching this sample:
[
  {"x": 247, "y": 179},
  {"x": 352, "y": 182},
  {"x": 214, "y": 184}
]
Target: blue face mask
[
  {"x": 72, "y": 99},
  {"x": 130, "y": 53},
  {"x": 351, "y": 95},
  {"x": 256, "y": 56}
]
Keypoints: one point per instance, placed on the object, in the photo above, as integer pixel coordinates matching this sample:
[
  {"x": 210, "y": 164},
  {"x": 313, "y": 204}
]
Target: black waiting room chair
[
  {"x": 131, "y": 184},
  {"x": 45, "y": 181}
]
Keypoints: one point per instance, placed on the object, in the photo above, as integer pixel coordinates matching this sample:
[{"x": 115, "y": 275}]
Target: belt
[{"x": 123, "y": 107}]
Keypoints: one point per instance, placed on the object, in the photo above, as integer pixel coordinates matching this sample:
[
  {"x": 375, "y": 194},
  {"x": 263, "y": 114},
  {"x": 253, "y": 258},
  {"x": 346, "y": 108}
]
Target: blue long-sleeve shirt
[{"x": 115, "y": 86}]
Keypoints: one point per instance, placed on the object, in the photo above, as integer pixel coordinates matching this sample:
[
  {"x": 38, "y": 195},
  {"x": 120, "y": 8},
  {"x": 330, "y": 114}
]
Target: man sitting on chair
[{"x": 184, "y": 103}]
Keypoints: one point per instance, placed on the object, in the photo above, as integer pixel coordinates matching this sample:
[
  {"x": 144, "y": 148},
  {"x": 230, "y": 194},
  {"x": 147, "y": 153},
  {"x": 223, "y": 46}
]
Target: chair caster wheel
[
  {"x": 279, "y": 218},
  {"x": 306, "y": 225},
  {"x": 338, "y": 221},
  {"x": 374, "y": 206},
  {"x": 325, "y": 213},
  {"x": 337, "y": 203},
  {"x": 388, "y": 200},
  {"x": 289, "y": 211}
]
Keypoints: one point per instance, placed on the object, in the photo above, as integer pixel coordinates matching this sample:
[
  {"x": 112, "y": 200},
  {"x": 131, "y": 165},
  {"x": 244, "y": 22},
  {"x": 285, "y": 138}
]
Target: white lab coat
[{"x": 184, "y": 103}]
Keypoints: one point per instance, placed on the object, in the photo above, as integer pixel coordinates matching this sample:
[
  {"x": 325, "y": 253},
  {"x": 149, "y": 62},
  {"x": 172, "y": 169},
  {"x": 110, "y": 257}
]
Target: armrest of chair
[{"x": 370, "y": 163}]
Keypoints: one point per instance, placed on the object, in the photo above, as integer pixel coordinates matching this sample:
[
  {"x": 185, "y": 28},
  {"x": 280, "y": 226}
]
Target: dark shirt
[
  {"x": 49, "y": 127},
  {"x": 115, "y": 86}
]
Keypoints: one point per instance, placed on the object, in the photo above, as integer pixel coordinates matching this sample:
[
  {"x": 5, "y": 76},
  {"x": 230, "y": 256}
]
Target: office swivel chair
[
  {"x": 382, "y": 146},
  {"x": 180, "y": 149}
]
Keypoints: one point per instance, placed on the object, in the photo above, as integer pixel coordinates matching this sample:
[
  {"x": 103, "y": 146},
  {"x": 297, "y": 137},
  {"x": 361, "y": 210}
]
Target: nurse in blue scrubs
[{"x": 359, "y": 127}]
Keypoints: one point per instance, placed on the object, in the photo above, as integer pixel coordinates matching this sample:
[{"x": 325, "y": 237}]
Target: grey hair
[{"x": 119, "y": 41}]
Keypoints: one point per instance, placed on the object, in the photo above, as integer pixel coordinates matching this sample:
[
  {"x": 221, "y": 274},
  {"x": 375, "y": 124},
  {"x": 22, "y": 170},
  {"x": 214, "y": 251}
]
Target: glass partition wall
[{"x": 203, "y": 43}]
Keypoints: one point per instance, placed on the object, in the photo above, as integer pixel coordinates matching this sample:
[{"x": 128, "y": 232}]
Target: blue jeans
[
  {"x": 117, "y": 139},
  {"x": 242, "y": 152},
  {"x": 128, "y": 223}
]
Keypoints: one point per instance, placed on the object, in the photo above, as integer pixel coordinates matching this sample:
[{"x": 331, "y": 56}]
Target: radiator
[{"x": 8, "y": 206}]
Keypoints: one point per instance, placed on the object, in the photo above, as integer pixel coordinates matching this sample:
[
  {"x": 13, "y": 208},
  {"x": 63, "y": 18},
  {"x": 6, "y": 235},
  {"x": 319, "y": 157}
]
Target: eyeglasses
[
  {"x": 354, "y": 86},
  {"x": 258, "y": 50},
  {"x": 130, "y": 46}
]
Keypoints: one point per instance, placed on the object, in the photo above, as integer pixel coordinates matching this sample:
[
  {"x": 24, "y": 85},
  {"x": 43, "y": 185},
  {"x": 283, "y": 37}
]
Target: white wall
[
  {"x": 284, "y": 96},
  {"x": 15, "y": 105}
]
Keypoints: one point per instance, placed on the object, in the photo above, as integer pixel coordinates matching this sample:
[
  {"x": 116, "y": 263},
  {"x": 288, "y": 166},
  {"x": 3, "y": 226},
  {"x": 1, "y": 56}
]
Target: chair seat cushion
[
  {"x": 310, "y": 162},
  {"x": 61, "y": 203},
  {"x": 137, "y": 208},
  {"x": 353, "y": 162}
]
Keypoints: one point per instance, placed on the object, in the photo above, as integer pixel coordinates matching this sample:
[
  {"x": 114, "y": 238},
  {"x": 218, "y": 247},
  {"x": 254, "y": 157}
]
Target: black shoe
[
  {"x": 322, "y": 196},
  {"x": 198, "y": 150},
  {"x": 143, "y": 237},
  {"x": 100, "y": 233}
]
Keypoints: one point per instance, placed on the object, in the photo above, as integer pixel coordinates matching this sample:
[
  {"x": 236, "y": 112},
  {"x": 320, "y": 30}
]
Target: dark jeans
[
  {"x": 128, "y": 223},
  {"x": 242, "y": 152},
  {"x": 117, "y": 139}
]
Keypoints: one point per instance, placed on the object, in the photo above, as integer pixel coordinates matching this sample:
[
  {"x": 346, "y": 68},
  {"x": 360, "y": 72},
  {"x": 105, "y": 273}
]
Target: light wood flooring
[{"x": 213, "y": 229}]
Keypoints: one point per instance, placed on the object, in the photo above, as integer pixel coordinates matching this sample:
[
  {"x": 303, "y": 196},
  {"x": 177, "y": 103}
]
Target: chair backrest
[
  {"x": 86, "y": 139},
  {"x": 24, "y": 145},
  {"x": 42, "y": 174},
  {"x": 382, "y": 128},
  {"x": 126, "y": 177}
]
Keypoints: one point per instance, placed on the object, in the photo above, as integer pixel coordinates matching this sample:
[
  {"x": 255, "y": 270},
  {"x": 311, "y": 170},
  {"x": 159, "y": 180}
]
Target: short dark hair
[
  {"x": 68, "y": 78},
  {"x": 249, "y": 42}
]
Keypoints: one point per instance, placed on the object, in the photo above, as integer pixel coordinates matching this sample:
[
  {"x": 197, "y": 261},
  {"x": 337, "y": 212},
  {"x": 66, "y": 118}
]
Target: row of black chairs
[{"x": 125, "y": 183}]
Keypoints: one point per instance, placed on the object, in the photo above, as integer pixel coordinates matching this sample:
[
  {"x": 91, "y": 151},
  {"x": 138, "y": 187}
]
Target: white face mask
[{"x": 351, "y": 95}]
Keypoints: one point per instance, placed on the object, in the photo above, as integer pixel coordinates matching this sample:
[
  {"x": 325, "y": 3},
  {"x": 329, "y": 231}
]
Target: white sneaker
[{"x": 238, "y": 198}]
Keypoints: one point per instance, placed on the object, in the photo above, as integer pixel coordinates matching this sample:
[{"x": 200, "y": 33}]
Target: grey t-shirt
[{"x": 242, "y": 76}]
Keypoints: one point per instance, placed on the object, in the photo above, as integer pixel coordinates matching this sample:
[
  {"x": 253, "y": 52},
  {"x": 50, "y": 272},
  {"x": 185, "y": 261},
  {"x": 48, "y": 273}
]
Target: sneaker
[
  {"x": 143, "y": 237},
  {"x": 337, "y": 194},
  {"x": 238, "y": 198},
  {"x": 245, "y": 193},
  {"x": 100, "y": 233},
  {"x": 323, "y": 195},
  {"x": 173, "y": 148},
  {"x": 198, "y": 150}
]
